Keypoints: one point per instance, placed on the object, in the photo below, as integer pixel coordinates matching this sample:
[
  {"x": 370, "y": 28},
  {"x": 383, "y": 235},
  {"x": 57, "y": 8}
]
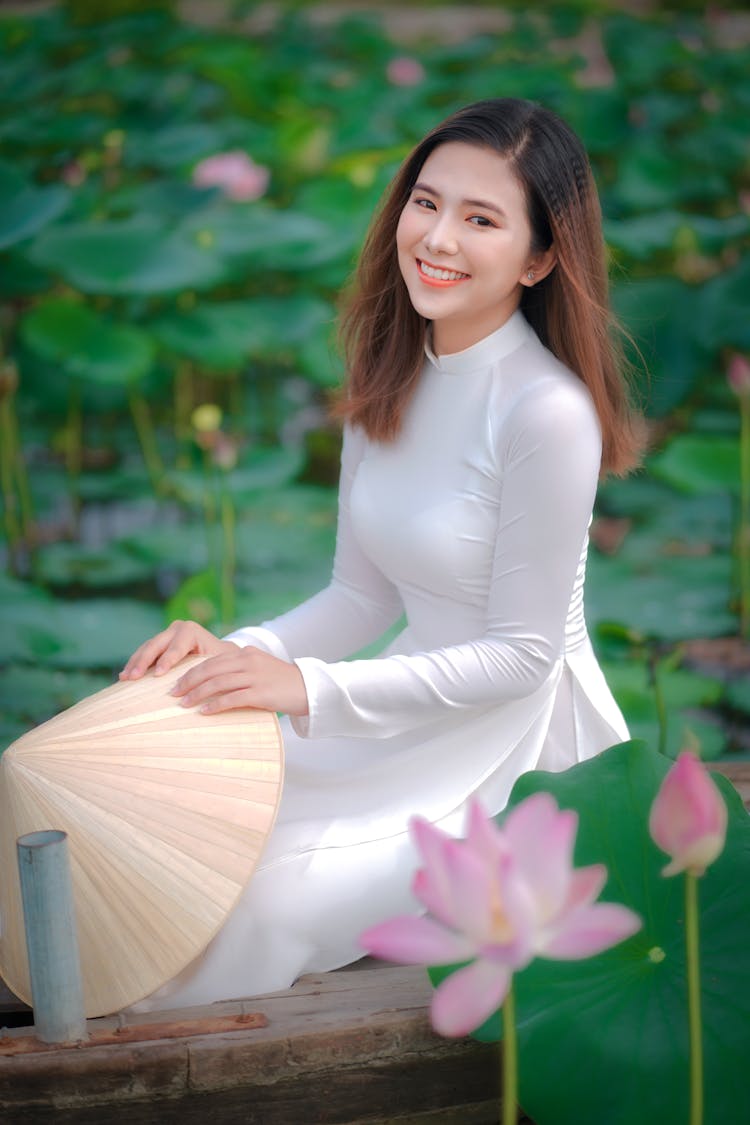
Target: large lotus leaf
[
  {"x": 92, "y": 633},
  {"x": 673, "y": 599},
  {"x": 172, "y": 146},
  {"x": 73, "y": 564},
  {"x": 32, "y": 694},
  {"x": 85, "y": 343},
  {"x": 26, "y": 614},
  {"x": 224, "y": 335},
  {"x": 261, "y": 470},
  {"x": 276, "y": 240},
  {"x": 700, "y": 463},
  {"x": 606, "y": 1039},
  {"x": 663, "y": 316},
  {"x": 138, "y": 256},
  {"x": 100, "y": 633},
  {"x": 723, "y": 321},
  {"x": 644, "y": 235},
  {"x": 25, "y": 208},
  {"x": 738, "y": 694}
]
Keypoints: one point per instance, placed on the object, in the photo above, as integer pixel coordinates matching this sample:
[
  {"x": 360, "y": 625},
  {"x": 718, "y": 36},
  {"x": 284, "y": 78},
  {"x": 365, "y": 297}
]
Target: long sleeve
[
  {"x": 356, "y": 608},
  {"x": 547, "y": 456}
]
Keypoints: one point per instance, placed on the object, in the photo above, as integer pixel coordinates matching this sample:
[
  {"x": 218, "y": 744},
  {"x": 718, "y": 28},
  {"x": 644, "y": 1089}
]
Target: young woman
[{"x": 484, "y": 401}]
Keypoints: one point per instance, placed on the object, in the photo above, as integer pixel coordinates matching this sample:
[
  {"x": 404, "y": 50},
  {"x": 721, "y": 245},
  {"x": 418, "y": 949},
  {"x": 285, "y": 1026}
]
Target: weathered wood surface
[{"x": 348, "y": 1048}]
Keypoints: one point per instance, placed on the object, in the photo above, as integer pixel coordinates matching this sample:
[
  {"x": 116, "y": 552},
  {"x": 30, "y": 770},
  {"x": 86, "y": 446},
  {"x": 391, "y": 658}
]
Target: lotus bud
[
  {"x": 738, "y": 375},
  {"x": 688, "y": 818}
]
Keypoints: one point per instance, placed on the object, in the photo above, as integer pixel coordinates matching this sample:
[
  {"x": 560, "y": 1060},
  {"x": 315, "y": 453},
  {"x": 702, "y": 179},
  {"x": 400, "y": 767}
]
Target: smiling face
[{"x": 465, "y": 244}]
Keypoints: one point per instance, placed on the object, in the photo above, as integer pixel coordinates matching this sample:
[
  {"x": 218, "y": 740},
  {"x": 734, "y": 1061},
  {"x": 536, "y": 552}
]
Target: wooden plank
[{"x": 347, "y": 1048}]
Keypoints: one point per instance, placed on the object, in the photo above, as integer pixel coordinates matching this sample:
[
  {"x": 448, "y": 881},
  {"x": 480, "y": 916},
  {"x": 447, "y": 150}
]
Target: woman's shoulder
[{"x": 548, "y": 401}]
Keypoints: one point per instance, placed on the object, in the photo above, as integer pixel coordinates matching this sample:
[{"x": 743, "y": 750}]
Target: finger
[
  {"x": 144, "y": 656},
  {"x": 215, "y": 685},
  {"x": 212, "y": 666},
  {"x": 232, "y": 701}
]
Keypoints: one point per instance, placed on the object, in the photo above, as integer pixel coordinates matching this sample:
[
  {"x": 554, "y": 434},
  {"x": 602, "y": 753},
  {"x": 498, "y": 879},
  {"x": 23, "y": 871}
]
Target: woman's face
[{"x": 464, "y": 244}]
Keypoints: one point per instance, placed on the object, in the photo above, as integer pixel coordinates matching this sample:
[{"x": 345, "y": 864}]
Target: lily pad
[
  {"x": 670, "y": 599},
  {"x": 138, "y": 256},
  {"x": 699, "y": 463},
  {"x": 624, "y": 1013},
  {"x": 31, "y": 694},
  {"x": 86, "y": 344},
  {"x": 25, "y": 208}
]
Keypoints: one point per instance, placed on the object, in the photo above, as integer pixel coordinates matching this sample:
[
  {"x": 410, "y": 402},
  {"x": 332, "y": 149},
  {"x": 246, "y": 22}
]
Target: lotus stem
[
  {"x": 147, "y": 439},
  {"x": 510, "y": 1061},
  {"x": 661, "y": 707},
  {"x": 694, "y": 999},
  {"x": 74, "y": 445},
  {"x": 228, "y": 521},
  {"x": 12, "y": 528},
  {"x": 743, "y": 529},
  {"x": 184, "y": 401}
]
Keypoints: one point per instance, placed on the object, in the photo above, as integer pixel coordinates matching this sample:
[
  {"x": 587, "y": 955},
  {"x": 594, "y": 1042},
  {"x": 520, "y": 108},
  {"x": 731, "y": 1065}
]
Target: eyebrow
[{"x": 483, "y": 203}]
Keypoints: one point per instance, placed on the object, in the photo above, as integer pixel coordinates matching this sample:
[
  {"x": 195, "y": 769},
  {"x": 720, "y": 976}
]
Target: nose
[{"x": 441, "y": 237}]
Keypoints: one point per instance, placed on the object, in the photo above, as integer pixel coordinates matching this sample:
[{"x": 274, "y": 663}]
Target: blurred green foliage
[{"x": 129, "y": 296}]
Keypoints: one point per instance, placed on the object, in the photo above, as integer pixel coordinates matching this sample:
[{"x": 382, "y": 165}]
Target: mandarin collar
[{"x": 485, "y": 352}]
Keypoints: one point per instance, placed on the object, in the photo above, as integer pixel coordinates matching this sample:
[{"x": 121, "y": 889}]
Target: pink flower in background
[
  {"x": 738, "y": 374},
  {"x": 498, "y": 899},
  {"x": 405, "y": 71},
  {"x": 239, "y": 177},
  {"x": 688, "y": 818}
]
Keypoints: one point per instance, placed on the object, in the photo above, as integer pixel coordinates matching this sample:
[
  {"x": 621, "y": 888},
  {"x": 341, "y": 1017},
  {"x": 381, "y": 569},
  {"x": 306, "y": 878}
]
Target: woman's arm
[
  {"x": 548, "y": 458},
  {"x": 356, "y": 607}
]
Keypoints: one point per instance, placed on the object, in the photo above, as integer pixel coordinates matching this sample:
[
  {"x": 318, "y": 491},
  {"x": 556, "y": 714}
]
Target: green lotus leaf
[
  {"x": 137, "y": 256},
  {"x": 672, "y": 599},
  {"x": 700, "y": 463},
  {"x": 25, "y": 208},
  {"x": 270, "y": 239},
  {"x": 85, "y": 343},
  {"x": 225, "y": 335}
]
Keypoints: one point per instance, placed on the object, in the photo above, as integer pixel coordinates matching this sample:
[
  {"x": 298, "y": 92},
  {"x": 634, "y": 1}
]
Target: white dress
[{"x": 474, "y": 525}]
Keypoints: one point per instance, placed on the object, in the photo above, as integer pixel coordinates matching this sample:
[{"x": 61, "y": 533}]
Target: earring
[{"x": 530, "y": 275}]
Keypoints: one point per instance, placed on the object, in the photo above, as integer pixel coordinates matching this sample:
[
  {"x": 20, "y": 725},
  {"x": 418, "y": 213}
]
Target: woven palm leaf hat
[{"x": 167, "y": 812}]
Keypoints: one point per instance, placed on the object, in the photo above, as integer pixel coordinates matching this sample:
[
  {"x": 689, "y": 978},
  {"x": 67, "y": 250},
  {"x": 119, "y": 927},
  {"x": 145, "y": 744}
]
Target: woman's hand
[
  {"x": 171, "y": 646},
  {"x": 244, "y": 677}
]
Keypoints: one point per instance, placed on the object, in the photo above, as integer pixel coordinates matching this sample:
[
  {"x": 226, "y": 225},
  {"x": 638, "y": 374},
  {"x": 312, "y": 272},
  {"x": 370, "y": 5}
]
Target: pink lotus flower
[
  {"x": 405, "y": 71},
  {"x": 498, "y": 899},
  {"x": 239, "y": 177},
  {"x": 738, "y": 375},
  {"x": 688, "y": 818}
]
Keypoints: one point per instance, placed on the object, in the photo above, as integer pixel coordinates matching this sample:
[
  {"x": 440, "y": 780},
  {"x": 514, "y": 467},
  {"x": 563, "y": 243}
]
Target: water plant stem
[
  {"x": 12, "y": 528},
  {"x": 147, "y": 438},
  {"x": 694, "y": 999},
  {"x": 743, "y": 530},
  {"x": 228, "y": 553},
  {"x": 510, "y": 1061},
  {"x": 661, "y": 707}
]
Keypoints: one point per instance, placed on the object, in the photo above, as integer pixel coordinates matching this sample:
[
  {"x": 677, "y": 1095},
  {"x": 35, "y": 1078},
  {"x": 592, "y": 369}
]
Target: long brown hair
[{"x": 384, "y": 336}]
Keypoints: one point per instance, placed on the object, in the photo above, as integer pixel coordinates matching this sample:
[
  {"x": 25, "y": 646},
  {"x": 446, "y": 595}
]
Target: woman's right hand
[{"x": 171, "y": 646}]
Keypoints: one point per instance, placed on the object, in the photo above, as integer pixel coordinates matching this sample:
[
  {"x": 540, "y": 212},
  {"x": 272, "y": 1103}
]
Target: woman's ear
[{"x": 540, "y": 265}]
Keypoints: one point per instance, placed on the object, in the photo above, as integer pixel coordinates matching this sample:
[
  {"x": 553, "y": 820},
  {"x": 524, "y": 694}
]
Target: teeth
[{"x": 441, "y": 275}]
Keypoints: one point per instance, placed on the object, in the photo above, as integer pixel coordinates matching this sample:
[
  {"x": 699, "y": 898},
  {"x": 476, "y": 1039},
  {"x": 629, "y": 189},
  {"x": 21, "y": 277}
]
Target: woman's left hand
[{"x": 248, "y": 677}]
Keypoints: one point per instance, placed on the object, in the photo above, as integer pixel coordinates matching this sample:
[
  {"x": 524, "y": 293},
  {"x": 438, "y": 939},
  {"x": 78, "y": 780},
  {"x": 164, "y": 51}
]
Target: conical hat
[{"x": 167, "y": 812}]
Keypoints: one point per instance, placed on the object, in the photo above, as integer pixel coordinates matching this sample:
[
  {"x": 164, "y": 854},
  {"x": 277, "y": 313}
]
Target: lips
[{"x": 439, "y": 275}]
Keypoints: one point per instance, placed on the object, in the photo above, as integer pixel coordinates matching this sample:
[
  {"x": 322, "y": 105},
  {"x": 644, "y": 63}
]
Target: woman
[{"x": 484, "y": 401}]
